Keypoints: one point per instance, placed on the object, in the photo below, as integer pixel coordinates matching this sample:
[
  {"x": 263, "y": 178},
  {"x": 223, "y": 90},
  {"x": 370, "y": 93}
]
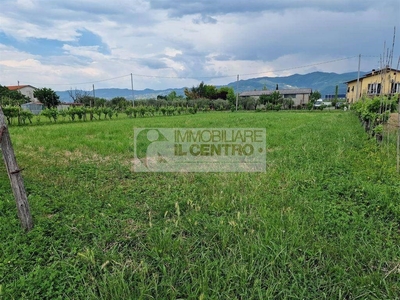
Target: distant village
[{"x": 377, "y": 82}]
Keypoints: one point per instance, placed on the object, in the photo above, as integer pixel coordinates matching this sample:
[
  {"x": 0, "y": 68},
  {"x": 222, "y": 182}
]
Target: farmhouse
[
  {"x": 299, "y": 96},
  {"x": 377, "y": 82},
  {"x": 26, "y": 90}
]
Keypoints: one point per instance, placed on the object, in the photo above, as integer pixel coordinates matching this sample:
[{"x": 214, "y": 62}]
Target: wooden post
[{"x": 15, "y": 176}]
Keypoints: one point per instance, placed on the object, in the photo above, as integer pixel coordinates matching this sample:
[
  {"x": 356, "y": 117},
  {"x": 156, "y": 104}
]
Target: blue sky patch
[
  {"x": 88, "y": 38},
  {"x": 51, "y": 47},
  {"x": 43, "y": 47}
]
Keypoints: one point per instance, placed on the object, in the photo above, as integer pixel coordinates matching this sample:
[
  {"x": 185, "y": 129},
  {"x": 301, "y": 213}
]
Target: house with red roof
[{"x": 26, "y": 90}]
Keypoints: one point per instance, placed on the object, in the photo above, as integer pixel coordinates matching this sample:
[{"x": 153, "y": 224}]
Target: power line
[
  {"x": 195, "y": 77},
  {"x": 256, "y": 73},
  {"x": 300, "y": 67}
]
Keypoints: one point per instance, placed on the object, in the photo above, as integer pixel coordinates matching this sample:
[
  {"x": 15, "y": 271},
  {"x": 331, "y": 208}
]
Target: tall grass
[{"x": 321, "y": 223}]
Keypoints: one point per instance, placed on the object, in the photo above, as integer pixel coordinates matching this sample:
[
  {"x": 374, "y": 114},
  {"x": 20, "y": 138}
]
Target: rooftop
[
  {"x": 17, "y": 87},
  {"x": 282, "y": 92},
  {"x": 374, "y": 72}
]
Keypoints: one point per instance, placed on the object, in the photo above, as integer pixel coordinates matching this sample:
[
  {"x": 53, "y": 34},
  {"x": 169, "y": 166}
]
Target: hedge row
[{"x": 374, "y": 113}]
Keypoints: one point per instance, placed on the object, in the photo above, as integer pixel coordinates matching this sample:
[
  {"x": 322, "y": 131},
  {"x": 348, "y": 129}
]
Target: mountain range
[{"x": 324, "y": 82}]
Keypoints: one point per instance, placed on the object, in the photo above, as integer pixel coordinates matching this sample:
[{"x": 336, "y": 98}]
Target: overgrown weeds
[{"x": 321, "y": 223}]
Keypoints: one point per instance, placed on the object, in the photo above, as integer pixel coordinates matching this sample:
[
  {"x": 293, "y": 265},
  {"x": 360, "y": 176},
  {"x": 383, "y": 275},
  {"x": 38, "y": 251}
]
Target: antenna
[{"x": 392, "y": 51}]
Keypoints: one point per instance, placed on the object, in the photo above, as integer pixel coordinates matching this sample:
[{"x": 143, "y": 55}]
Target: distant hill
[
  {"x": 325, "y": 83},
  {"x": 127, "y": 93}
]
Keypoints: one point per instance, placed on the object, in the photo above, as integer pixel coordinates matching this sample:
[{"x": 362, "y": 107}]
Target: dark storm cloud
[
  {"x": 190, "y": 39},
  {"x": 179, "y": 8},
  {"x": 47, "y": 12},
  {"x": 94, "y": 8},
  {"x": 205, "y": 19},
  {"x": 222, "y": 57},
  {"x": 269, "y": 36},
  {"x": 152, "y": 63}
]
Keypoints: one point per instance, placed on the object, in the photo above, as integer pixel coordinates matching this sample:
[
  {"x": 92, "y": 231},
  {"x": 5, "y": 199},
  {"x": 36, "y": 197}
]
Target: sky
[{"x": 172, "y": 44}]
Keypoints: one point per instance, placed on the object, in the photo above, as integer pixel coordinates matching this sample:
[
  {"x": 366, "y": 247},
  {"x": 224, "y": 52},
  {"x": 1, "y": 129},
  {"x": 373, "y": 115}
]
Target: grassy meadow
[{"x": 323, "y": 221}]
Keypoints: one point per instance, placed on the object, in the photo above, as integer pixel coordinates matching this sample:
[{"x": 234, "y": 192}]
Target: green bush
[
  {"x": 50, "y": 113},
  {"x": 25, "y": 115},
  {"x": 375, "y": 112},
  {"x": 10, "y": 112}
]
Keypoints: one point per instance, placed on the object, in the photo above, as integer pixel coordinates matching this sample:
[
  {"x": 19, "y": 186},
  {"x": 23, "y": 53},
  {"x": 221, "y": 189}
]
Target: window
[
  {"x": 395, "y": 88},
  {"x": 348, "y": 89},
  {"x": 374, "y": 88}
]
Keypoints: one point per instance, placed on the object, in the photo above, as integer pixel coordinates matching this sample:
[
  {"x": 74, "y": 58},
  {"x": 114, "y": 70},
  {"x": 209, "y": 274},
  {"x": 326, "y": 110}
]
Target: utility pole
[
  {"x": 237, "y": 92},
  {"x": 94, "y": 96},
  {"x": 133, "y": 96},
  {"x": 358, "y": 76}
]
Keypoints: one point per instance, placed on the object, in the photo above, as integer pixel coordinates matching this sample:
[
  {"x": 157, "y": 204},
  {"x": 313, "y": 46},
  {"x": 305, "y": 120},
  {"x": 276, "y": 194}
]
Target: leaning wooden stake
[{"x": 15, "y": 176}]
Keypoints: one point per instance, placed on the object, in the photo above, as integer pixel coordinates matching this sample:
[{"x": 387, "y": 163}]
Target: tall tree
[
  {"x": 274, "y": 98},
  {"x": 47, "y": 96},
  {"x": 120, "y": 102},
  {"x": 86, "y": 100},
  {"x": 171, "y": 96},
  {"x": 78, "y": 95},
  {"x": 315, "y": 96},
  {"x": 191, "y": 94},
  {"x": 210, "y": 92},
  {"x": 230, "y": 93},
  {"x": 336, "y": 92}
]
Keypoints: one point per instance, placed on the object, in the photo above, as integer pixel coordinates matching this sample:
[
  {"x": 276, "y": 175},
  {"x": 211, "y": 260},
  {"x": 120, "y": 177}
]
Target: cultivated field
[{"x": 323, "y": 222}]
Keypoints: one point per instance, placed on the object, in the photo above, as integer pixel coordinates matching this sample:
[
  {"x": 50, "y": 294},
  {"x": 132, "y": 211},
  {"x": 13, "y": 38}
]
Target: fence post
[{"x": 15, "y": 176}]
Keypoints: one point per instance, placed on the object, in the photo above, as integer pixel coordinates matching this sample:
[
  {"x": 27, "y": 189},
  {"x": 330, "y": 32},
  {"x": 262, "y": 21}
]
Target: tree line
[{"x": 87, "y": 107}]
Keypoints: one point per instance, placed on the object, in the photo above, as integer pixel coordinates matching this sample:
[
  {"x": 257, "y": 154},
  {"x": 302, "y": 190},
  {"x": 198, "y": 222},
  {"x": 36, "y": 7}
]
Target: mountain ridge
[{"x": 324, "y": 82}]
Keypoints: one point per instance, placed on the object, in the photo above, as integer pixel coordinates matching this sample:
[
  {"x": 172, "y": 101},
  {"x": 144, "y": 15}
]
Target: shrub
[
  {"x": 63, "y": 113},
  {"x": 220, "y": 104},
  {"x": 193, "y": 110},
  {"x": 10, "y": 112},
  {"x": 24, "y": 115},
  {"x": 269, "y": 106},
  {"x": 278, "y": 107},
  {"x": 373, "y": 113},
  {"x": 170, "y": 110},
  {"x": 51, "y": 113}
]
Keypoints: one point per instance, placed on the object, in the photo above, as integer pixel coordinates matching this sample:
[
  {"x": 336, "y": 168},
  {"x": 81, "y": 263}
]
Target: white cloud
[
  {"x": 172, "y": 52},
  {"x": 196, "y": 40}
]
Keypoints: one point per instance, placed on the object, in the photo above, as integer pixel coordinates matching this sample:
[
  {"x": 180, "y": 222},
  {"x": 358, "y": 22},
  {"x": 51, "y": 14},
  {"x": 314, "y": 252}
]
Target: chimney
[{"x": 373, "y": 72}]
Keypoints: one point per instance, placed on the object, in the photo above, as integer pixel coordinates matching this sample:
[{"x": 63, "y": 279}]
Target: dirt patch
[
  {"x": 393, "y": 122},
  {"x": 72, "y": 155}
]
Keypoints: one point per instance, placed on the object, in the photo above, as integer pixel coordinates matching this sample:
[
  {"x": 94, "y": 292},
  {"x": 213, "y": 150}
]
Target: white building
[
  {"x": 299, "y": 96},
  {"x": 26, "y": 90}
]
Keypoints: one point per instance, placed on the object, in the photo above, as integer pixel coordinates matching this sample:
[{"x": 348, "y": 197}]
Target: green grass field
[{"x": 323, "y": 221}]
